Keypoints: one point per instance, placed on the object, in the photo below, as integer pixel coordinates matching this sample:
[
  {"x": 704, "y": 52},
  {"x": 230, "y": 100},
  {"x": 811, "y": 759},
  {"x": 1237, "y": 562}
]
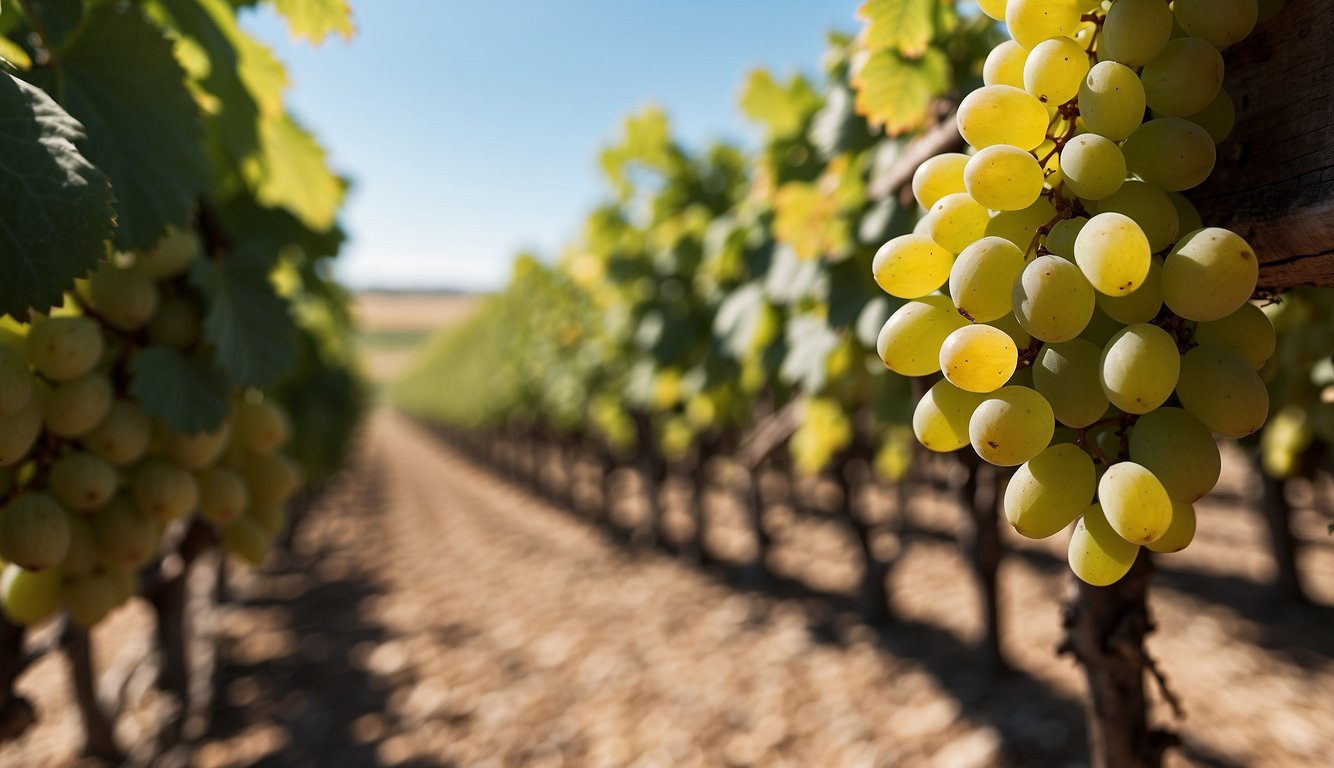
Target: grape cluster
[
  {"x": 91, "y": 483},
  {"x": 1090, "y": 329}
]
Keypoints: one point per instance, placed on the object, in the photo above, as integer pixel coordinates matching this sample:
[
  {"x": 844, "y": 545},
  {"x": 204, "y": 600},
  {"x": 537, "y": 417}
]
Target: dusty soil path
[{"x": 435, "y": 616}]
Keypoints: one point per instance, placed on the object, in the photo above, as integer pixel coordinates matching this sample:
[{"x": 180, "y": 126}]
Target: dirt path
[{"x": 438, "y": 617}]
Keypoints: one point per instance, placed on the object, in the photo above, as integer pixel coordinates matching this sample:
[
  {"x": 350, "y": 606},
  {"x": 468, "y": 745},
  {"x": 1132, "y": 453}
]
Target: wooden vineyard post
[{"x": 1105, "y": 630}]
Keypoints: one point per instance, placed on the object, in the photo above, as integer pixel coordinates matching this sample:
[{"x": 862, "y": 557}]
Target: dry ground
[{"x": 393, "y": 325}]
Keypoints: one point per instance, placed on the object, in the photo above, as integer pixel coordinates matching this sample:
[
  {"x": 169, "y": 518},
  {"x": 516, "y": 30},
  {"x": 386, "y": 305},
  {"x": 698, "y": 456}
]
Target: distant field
[{"x": 393, "y": 325}]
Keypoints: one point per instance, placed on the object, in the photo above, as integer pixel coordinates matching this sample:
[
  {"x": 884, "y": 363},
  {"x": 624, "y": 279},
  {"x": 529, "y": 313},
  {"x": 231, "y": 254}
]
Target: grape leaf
[
  {"x": 739, "y": 317},
  {"x": 809, "y": 344},
  {"x": 897, "y": 92},
  {"x": 248, "y": 324},
  {"x": 187, "y": 394},
  {"x": 898, "y": 25},
  {"x": 315, "y": 20},
  {"x": 782, "y": 108},
  {"x": 55, "y": 206},
  {"x": 290, "y": 172},
  {"x": 118, "y": 76}
]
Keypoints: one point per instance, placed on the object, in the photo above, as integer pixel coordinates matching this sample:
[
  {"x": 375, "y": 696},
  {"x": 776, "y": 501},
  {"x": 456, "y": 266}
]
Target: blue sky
[{"x": 470, "y": 127}]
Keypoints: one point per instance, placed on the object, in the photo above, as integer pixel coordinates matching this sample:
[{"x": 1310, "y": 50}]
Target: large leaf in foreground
[
  {"x": 187, "y": 394},
  {"x": 248, "y": 324}
]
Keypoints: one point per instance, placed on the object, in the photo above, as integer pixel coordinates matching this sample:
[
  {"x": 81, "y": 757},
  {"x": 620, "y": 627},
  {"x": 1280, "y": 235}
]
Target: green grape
[
  {"x": 247, "y": 540},
  {"x": 1032, "y": 21},
  {"x": 1003, "y": 178},
  {"x": 1019, "y": 227},
  {"x": 1219, "y": 389},
  {"x": 1001, "y": 114},
  {"x": 34, "y": 532},
  {"x": 1097, "y": 555},
  {"x": 1135, "y": 503},
  {"x": 1048, "y": 492},
  {"x": 124, "y": 580},
  {"x": 1220, "y": 22},
  {"x": 1147, "y": 206},
  {"x": 1010, "y": 325},
  {"x": 1209, "y": 275},
  {"x": 1011, "y": 427},
  {"x": 1092, "y": 166},
  {"x": 19, "y": 432},
  {"x": 978, "y": 358},
  {"x": 1139, "y": 368},
  {"x": 1054, "y": 70},
  {"x": 1005, "y": 65},
  {"x": 1112, "y": 100},
  {"x": 29, "y": 597},
  {"x": 222, "y": 494},
  {"x": 81, "y": 558},
  {"x": 272, "y": 518},
  {"x": 124, "y": 537},
  {"x": 174, "y": 253},
  {"x": 1140, "y": 305},
  {"x": 164, "y": 491},
  {"x": 993, "y": 8},
  {"x": 910, "y": 342},
  {"x": 1179, "y": 450},
  {"x": 82, "y": 481},
  {"x": 15, "y": 381},
  {"x": 1180, "y": 533},
  {"x": 194, "y": 451},
  {"x": 264, "y": 426},
  {"x": 1135, "y": 32},
  {"x": 1052, "y": 300},
  {"x": 124, "y": 298},
  {"x": 1184, "y": 78},
  {"x": 981, "y": 277},
  {"x": 1188, "y": 218},
  {"x": 1061, "y": 239},
  {"x": 272, "y": 478},
  {"x": 938, "y": 176},
  {"x": 64, "y": 348},
  {"x": 1068, "y": 376},
  {"x": 1101, "y": 329},
  {"x": 88, "y": 599},
  {"x": 955, "y": 222},
  {"x": 176, "y": 322},
  {"x": 940, "y": 420},
  {"x": 122, "y": 437},
  {"x": 1219, "y": 117},
  {"x": 1113, "y": 253},
  {"x": 1287, "y": 435},
  {"x": 1247, "y": 332},
  {"x": 73, "y": 408},
  {"x": 1170, "y": 153},
  {"x": 909, "y": 266}
]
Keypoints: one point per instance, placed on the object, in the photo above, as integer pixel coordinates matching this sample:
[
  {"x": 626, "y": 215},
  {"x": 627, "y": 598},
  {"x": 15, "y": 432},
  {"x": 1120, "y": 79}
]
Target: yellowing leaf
[
  {"x": 783, "y": 108},
  {"x": 291, "y": 173},
  {"x": 897, "y": 92},
  {"x": 315, "y": 20},
  {"x": 904, "y": 26}
]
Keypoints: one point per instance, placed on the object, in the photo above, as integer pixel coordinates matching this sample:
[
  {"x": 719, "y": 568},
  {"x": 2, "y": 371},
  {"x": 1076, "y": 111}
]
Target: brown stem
[
  {"x": 16, "y": 713},
  {"x": 98, "y": 728}
]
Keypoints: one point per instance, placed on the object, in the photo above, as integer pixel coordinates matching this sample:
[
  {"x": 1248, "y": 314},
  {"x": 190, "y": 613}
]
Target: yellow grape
[
  {"x": 1003, "y": 178},
  {"x": 64, "y": 348},
  {"x": 1248, "y": 332},
  {"x": 1020, "y": 227},
  {"x": 1219, "y": 389},
  {"x": 1005, "y": 65},
  {"x": 1135, "y": 502},
  {"x": 1135, "y": 32},
  {"x": 1097, "y": 555},
  {"x": 174, "y": 253},
  {"x": 1049, "y": 491},
  {"x": 1054, "y": 70},
  {"x": 271, "y": 518},
  {"x": 1002, "y": 114},
  {"x": 246, "y": 539},
  {"x": 81, "y": 557},
  {"x": 978, "y": 358},
  {"x": 34, "y": 532},
  {"x": 1180, "y": 532},
  {"x": 1052, "y": 300},
  {"x": 1188, "y": 217},
  {"x": 1113, "y": 253},
  {"x": 124, "y": 298},
  {"x": 1068, "y": 376},
  {"x": 1179, "y": 450},
  {"x": 272, "y": 478},
  {"x": 29, "y": 597},
  {"x": 1220, "y": 22},
  {"x": 122, "y": 437},
  {"x": 264, "y": 426},
  {"x": 1209, "y": 275},
  {"x": 194, "y": 451},
  {"x": 164, "y": 491},
  {"x": 1092, "y": 166},
  {"x": 993, "y": 8},
  {"x": 15, "y": 381},
  {"x": 1170, "y": 153},
  {"x": 909, "y": 266},
  {"x": 940, "y": 420},
  {"x": 955, "y": 222},
  {"x": 1147, "y": 206},
  {"x": 909, "y": 344},
  {"x": 19, "y": 432},
  {"x": 223, "y": 496},
  {"x": 1112, "y": 100},
  {"x": 1032, "y": 21},
  {"x": 1060, "y": 241},
  {"x": 124, "y": 537},
  {"x": 1140, "y": 305},
  {"x": 1140, "y": 366},
  {"x": 1184, "y": 78},
  {"x": 73, "y": 408},
  {"x": 938, "y": 176},
  {"x": 1011, "y": 426},
  {"x": 981, "y": 278},
  {"x": 82, "y": 481}
]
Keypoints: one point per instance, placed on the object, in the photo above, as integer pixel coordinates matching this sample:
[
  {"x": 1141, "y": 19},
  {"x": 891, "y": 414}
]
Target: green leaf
[
  {"x": 58, "y": 18},
  {"x": 904, "y": 26},
  {"x": 809, "y": 342},
  {"x": 783, "y": 109},
  {"x": 291, "y": 172},
  {"x": 897, "y": 92},
  {"x": 55, "y": 207},
  {"x": 248, "y": 324},
  {"x": 187, "y": 394},
  {"x": 315, "y": 20},
  {"x": 118, "y": 76}
]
